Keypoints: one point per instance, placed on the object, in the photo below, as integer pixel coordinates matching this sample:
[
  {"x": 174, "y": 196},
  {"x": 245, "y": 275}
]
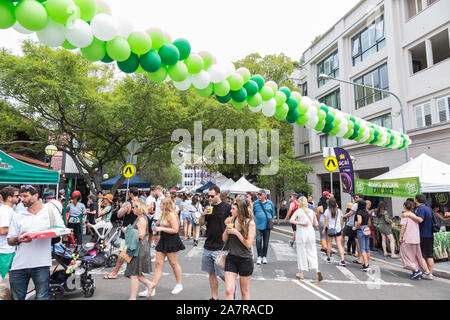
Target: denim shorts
[
  {"x": 363, "y": 240},
  {"x": 208, "y": 263}
]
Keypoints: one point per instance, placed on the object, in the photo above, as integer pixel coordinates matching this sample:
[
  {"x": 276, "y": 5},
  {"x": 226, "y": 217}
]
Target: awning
[{"x": 135, "y": 181}]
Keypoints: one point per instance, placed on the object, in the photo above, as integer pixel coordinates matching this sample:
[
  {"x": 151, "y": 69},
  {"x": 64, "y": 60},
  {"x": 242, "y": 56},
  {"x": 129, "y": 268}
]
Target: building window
[
  {"x": 377, "y": 78},
  {"x": 304, "y": 89},
  {"x": 327, "y": 140},
  {"x": 329, "y": 66},
  {"x": 332, "y": 100},
  {"x": 440, "y": 45},
  {"x": 414, "y": 7},
  {"x": 306, "y": 148},
  {"x": 423, "y": 115},
  {"x": 443, "y": 105},
  {"x": 383, "y": 121},
  {"x": 368, "y": 41},
  {"x": 419, "y": 57}
]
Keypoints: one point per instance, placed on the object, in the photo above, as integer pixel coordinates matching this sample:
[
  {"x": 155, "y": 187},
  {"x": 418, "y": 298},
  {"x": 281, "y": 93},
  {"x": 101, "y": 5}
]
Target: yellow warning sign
[
  {"x": 331, "y": 164},
  {"x": 129, "y": 171}
]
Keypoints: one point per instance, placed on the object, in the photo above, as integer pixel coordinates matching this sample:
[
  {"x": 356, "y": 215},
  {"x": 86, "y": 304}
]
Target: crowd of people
[{"x": 232, "y": 226}]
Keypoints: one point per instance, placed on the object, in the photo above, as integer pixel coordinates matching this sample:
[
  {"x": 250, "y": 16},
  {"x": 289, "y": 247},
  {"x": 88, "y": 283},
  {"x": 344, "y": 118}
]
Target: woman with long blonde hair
[
  {"x": 306, "y": 221},
  {"x": 142, "y": 263},
  {"x": 168, "y": 245}
]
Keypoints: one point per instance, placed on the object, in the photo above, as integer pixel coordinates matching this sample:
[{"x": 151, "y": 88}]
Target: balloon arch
[{"x": 90, "y": 26}]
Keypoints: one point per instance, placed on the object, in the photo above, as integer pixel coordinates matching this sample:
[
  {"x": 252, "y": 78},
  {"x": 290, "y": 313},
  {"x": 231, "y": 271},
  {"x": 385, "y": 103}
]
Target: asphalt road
[{"x": 276, "y": 280}]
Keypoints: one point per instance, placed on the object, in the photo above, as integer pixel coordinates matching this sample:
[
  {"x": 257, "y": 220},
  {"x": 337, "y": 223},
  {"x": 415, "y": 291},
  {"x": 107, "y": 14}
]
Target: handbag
[
  {"x": 221, "y": 259},
  {"x": 269, "y": 221},
  {"x": 332, "y": 232},
  {"x": 366, "y": 231}
]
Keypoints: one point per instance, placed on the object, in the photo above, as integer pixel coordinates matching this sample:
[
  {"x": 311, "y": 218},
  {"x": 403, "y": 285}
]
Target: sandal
[
  {"x": 319, "y": 276},
  {"x": 299, "y": 277},
  {"x": 108, "y": 277},
  {"x": 357, "y": 262}
]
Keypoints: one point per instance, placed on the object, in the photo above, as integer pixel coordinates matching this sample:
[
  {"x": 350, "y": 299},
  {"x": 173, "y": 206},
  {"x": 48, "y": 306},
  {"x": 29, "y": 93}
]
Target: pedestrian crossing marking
[{"x": 283, "y": 252}]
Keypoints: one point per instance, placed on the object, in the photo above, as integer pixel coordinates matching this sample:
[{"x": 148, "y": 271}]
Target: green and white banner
[{"x": 397, "y": 188}]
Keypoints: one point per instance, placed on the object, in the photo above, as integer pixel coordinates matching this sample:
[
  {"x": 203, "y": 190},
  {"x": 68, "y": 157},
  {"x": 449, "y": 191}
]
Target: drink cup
[{"x": 209, "y": 210}]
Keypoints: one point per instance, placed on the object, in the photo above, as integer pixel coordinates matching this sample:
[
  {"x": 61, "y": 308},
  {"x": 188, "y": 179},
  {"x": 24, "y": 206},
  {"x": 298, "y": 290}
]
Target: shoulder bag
[
  {"x": 221, "y": 258},
  {"x": 269, "y": 221},
  {"x": 332, "y": 232}
]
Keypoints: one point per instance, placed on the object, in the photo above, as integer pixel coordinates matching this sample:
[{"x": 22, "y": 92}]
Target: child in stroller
[
  {"x": 73, "y": 276},
  {"x": 100, "y": 253}
]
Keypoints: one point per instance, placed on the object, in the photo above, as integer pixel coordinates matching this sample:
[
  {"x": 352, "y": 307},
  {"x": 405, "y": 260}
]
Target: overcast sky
[{"x": 229, "y": 29}]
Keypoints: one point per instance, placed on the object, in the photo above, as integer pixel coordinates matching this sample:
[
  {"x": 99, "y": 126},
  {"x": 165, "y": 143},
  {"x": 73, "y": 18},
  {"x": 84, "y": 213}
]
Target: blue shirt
[
  {"x": 260, "y": 216},
  {"x": 426, "y": 227}
]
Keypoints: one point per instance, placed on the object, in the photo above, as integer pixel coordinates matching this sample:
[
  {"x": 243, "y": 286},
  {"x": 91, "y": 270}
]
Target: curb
[{"x": 436, "y": 272}]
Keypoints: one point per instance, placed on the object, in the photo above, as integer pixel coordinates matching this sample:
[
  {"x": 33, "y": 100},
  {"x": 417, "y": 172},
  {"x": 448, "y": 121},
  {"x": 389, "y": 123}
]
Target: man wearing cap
[
  {"x": 105, "y": 212},
  {"x": 263, "y": 210}
]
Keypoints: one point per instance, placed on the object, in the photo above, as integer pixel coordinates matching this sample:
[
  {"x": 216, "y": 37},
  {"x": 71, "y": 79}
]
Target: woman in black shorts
[{"x": 239, "y": 234}]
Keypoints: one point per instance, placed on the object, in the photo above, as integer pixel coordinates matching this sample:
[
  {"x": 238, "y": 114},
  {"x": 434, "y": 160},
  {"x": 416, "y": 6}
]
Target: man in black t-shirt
[
  {"x": 215, "y": 226},
  {"x": 125, "y": 212}
]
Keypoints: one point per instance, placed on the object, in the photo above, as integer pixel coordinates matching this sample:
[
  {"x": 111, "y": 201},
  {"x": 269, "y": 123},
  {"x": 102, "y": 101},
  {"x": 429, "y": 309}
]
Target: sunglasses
[
  {"x": 211, "y": 196},
  {"x": 28, "y": 188}
]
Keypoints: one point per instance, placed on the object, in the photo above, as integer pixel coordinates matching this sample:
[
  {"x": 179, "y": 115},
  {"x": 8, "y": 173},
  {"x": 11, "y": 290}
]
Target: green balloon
[
  {"x": 107, "y": 59},
  {"x": 157, "y": 38},
  {"x": 208, "y": 59},
  {"x": 178, "y": 72},
  {"x": 280, "y": 98},
  {"x": 7, "y": 16},
  {"x": 292, "y": 104},
  {"x": 67, "y": 45},
  {"x": 31, "y": 15},
  {"x": 88, "y": 9},
  {"x": 334, "y": 131},
  {"x": 324, "y": 108},
  {"x": 96, "y": 51},
  {"x": 255, "y": 101},
  {"x": 239, "y": 105},
  {"x": 158, "y": 76},
  {"x": 205, "y": 93},
  {"x": 140, "y": 42},
  {"x": 194, "y": 63},
  {"x": 348, "y": 134},
  {"x": 320, "y": 126},
  {"x": 151, "y": 61},
  {"x": 292, "y": 116},
  {"x": 266, "y": 93},
  {"x": 236, "y": 81},
  {"x": 61, "y": 11},
  {"x": 302, "y": 120},
  {"x": 251, "y": 87},
  {"x": 273, "y": 85},
  {"x": 259, "y": 81},
  {"x": 281, "y": 112},
  {"x": 221, "y": 88},
  {"x": 321, "y": 115},
  {"x": 286, "y": 91},
  {"x": 239, "y": 95},
  {"x": 183, "y": 47},
  {"x": 118, "y": 49},
  {"x": 130, "y": 65},
  {"x": 169, "y": 54},
  {"x": 245, "y": 73},
  {"x": 224, "y": 99}
]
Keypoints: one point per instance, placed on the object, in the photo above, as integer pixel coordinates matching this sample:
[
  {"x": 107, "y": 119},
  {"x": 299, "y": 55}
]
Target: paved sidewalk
[{"x": 441, "y": 269}]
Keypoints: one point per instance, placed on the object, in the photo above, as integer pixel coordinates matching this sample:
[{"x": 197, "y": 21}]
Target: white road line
[
  {"x": 347, "y": 273},
  {"x": 194, "y": 252},
  {"x": 304, "y": 286},
  {"x": 280, "y": 274},
  {"x": 284, "y": 252},
  {"x": 383, "y": 283},
  {"x": 322, "y": 290}
]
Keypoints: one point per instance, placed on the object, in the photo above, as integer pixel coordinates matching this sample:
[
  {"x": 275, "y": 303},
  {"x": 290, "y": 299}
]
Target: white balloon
[
  {"x": 124, "y": 26},
  {"x": 311, "y": 113},
  {"x": 104, "y": 27},
  {"x": 256, "y": 109},
  {"x": 312, "y": 122},
  {"x": 104, "y": 5},
  {"x": 269, "y": 108},
  {"x": 79, "y": 33},
  {"x": 217, "y": 73},
  {"x": 53, "y": 35},
  {"x": 306, "y": 101},
  {"x": 342, "y": 131},
  {"x": 183, "y": 85},
  {"x": 19, "y": 28},
  {"x": 201, "y": 80},
  {"x": 230, "y": 68}
]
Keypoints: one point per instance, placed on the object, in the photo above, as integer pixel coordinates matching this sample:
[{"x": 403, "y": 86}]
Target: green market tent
[{"x": 13, "y": 171}]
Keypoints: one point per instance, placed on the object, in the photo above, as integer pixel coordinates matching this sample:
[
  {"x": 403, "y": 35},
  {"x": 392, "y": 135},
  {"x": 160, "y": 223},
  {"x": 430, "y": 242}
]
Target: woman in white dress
[{"x": 306, "y": 221}]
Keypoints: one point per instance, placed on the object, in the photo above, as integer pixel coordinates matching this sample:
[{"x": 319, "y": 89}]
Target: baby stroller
[
  {"x": 100, "y": 253},
  {"x": 73, "y": 277}
]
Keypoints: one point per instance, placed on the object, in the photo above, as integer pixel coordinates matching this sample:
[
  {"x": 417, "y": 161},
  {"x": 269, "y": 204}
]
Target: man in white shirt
[
  {"x": 10, "y": 196},
  {"x": 33, "y": 257},
  {"x": 52, "y": 203}
]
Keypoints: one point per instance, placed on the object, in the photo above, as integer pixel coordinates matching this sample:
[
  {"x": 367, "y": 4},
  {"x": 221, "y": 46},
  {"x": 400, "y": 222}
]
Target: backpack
[{"x": 436, "y": 223}]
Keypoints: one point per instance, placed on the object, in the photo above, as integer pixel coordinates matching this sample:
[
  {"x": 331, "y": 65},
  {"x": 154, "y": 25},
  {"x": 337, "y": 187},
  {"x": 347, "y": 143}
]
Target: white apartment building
[{"x": 398, "y": 45}]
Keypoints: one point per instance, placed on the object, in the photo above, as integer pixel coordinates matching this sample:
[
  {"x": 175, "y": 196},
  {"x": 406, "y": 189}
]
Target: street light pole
[{"x": 327, "y": 77}]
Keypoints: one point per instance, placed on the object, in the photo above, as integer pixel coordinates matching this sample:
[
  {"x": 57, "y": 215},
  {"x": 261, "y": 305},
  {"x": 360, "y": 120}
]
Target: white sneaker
[
  {"x": 264, "y": 260},
  {"x": 178, "y": 288},
  {"x": 145, "y": 293},
  {"x": 259, "y": 260}
]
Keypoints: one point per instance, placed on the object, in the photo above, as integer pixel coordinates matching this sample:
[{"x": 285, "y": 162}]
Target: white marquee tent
[
  {"x": 242, "y": 186},
  {"x": 433, "y": 174}
]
